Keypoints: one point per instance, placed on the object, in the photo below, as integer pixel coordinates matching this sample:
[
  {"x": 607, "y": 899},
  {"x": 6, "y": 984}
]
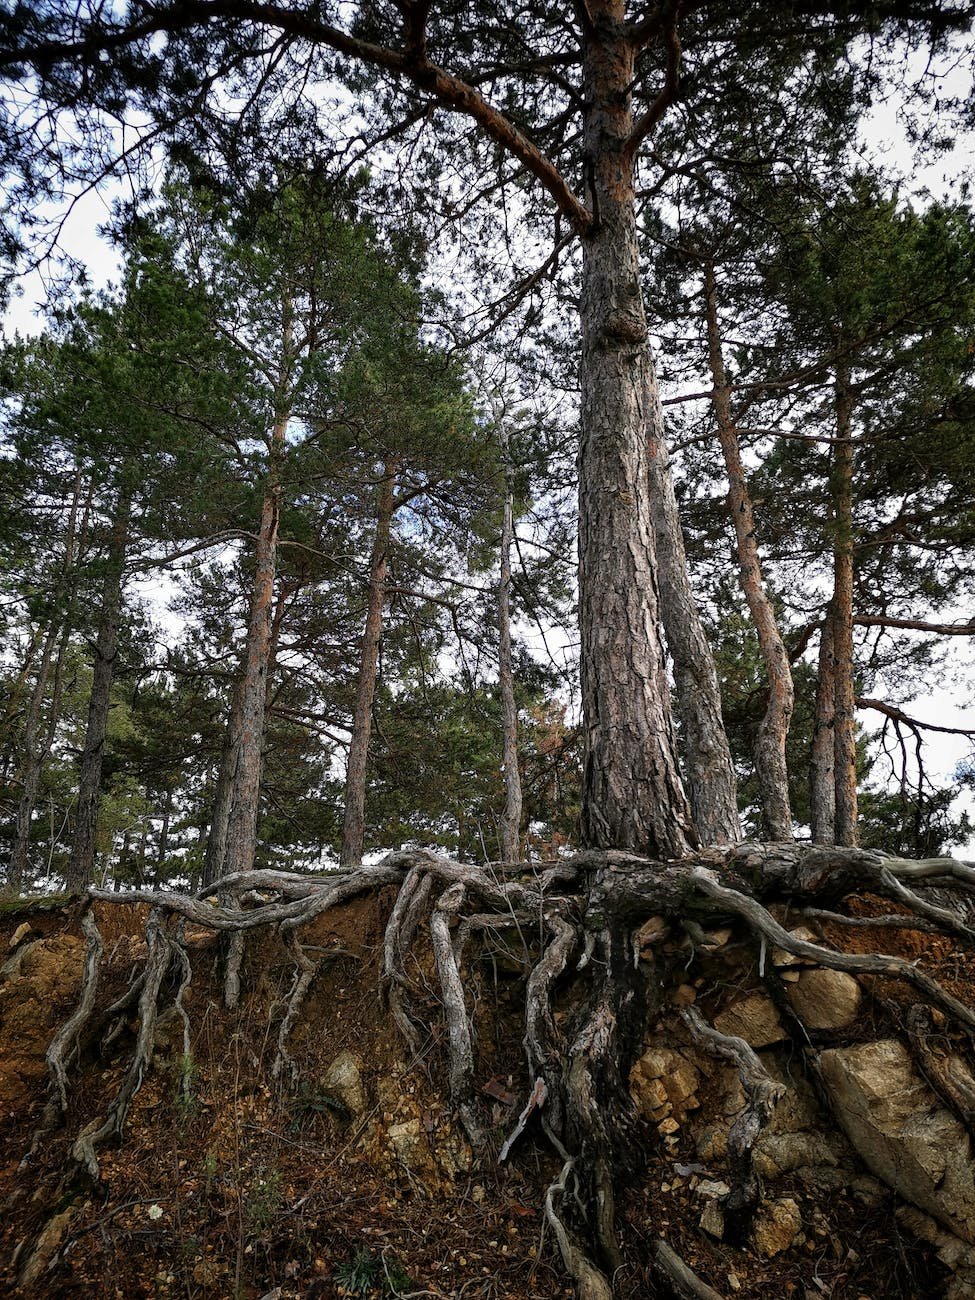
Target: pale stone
[
  {"x": 754, "y": 1019},
  {"x": 782, "y": 958},
  {"x": 668, "y": 1126},
  {"x": 343, "y": 1079},
  {"x": 902, "y": 1132},
  {"x": 663, "y": 1078},
  {"x": 20, "y": 934},
  {"x": 48, "y": 1241},
  {"x": 712, "y": 1220},
  {"x": 776, "y": 1226},
  {"x": 781, "y": 1153},
  {"x": 826, "y": 999},
  {"x": 717, "y": 938},
  {"x": 714, "y": 1188},
  {"x": 712, "y": 1143}
]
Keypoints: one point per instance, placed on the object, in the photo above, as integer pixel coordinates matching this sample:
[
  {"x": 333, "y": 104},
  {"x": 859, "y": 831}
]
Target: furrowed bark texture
[
  {"x": 242, "y": 822},
  {"x": 511, "y": 824},
  {"x": 822, "y": 775},
  {"x": 844, "y": 698},
  {"x": 770, "y": 760},
  {"x": 354, "y": 826},
  {"x": 82, "y": 862},
  {"x": 709, "y": 773},
  {"x": 632, "y": 792},
  {"x": 215, "y": 857}
]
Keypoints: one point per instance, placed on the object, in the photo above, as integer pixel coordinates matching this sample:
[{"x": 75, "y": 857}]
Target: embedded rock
[
  {"x": 826, "y": 999},
  {"x": 754, "y": 1019},
  {"x": 902, "y": 1132},
  {"x": 661, "y": 1079},
  {"x": 343, "y": 1079},
  {"x": 776, "y": 1226}
]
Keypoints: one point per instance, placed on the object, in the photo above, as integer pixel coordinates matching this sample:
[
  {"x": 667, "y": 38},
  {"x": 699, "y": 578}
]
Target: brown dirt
[{"x": 248, "y": 1188}]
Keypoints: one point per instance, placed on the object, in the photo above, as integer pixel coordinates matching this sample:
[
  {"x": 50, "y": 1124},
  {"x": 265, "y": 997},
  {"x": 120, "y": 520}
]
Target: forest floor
[{"x": 231, "y": 1183}]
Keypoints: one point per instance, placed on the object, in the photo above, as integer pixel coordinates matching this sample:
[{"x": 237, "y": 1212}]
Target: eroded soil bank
[{"x": 350, "y": 1176}]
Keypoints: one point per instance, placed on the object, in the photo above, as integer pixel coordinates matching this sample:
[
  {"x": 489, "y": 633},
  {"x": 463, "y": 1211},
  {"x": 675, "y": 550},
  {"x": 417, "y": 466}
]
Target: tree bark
[
  {"x": 511, "y": 822},
  {"x": 632, "y": 792},
  {"x": 709, "y": 773},
  {"x": 162, "y": 848},
  {"x": 770, "y": 759},
  {"x": 354, "y": 825},
  {"x": 844, "y": 713},
  {"x": 82, "y": 861},
  {"x": 241, "y": 835},
  {"x": 822, "y": 773},
  {"x": 215, "y": 854}
]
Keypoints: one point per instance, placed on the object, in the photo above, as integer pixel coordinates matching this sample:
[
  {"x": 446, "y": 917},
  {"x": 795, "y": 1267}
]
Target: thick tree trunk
[
  {"x": 354, "y": 826},
  {"x": 709, "y": 773},
  {"x": 511, "y": 822},
  {"x": 82, "y": 861},
  {"x": 844, "y": 712},
  {"x": 632, "y": 792},
  {"x": 770, "y": 759},
  {"x": 822, "y": 774}
]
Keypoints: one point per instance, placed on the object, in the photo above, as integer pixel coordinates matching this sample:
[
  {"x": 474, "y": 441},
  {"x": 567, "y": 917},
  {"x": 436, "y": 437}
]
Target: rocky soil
[{"x": 351, "y": 1177}]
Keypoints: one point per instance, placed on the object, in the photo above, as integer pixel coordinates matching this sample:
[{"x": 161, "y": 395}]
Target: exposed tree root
[
  {"x": 305, "y": 972},
  {"x": 579, "y": 917},
  {"x": 762, "y": 1093}
]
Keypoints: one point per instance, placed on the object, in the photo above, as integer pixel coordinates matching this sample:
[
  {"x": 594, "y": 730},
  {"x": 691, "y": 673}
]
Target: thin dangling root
[
  {"x": 95, "y": 1133},
  {"x": 182, "y": 959},
  {"x": 305, "y": 972},
  {"x": 65, "y": 1040}
]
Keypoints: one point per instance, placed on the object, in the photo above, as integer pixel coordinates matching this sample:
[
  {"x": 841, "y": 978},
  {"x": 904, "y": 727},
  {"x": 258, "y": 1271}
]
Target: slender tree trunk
[
  {"x": 770, "y": 759},
  {"x": 33, "y": 763},
  {"x": 709, "y": 773},
  {"x": 632, "y": 792},
  {"x": 511, "y": 822},
  {"x": 37, "y": 749},
  {"x": 241, "y": 841},
  {"x": 162, "y": 849},
  {"x": 844, "y": 728},
  {"x": 215, "y": 854},
  {"x": 354, "y": 826},
  {"x": 82, "y": 863},
  {"x": 822, "y": 774}
]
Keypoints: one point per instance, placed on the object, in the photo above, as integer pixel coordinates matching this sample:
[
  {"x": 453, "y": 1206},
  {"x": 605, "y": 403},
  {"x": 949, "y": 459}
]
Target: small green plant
[
  {"x": 364, "y": 1274},
  {"x": 310, "y": 1100},
  {"x": 395, "y": 1277},
  {"x": 264, "y": 1203},
  {"x": 360, "y": 1274}
]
